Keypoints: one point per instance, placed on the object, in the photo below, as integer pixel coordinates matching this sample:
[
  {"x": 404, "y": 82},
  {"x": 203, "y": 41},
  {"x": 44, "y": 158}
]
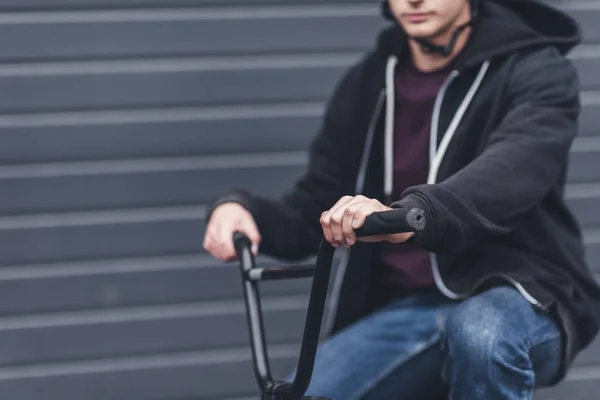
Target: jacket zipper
[{"x": 433, "y": 178}]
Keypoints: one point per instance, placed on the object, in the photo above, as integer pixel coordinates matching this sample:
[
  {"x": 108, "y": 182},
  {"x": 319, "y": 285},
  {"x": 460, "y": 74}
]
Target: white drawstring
[{"x": 389, "y": 127}]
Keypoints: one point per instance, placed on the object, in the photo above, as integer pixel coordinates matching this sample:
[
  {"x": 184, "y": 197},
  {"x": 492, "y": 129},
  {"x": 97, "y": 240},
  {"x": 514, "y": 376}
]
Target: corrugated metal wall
[{"x": 118, "y": 121}]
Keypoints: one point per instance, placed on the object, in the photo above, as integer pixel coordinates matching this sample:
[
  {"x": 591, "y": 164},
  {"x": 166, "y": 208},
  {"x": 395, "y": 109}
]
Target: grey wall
[{"x": 118, "y": 120}]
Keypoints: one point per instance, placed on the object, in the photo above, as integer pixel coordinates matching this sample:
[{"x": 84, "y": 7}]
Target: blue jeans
[{"x": 492, "y": 346}]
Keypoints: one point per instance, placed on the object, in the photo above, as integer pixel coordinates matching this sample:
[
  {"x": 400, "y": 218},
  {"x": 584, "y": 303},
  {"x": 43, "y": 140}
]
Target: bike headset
[{"x": 429, "y": 47}]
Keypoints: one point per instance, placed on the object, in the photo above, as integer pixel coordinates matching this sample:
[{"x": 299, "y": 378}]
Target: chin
[{"x": 422, "y": 31}]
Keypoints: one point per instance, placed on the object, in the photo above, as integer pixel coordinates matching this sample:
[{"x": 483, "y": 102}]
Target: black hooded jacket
[{"x": 503, "y": 126}]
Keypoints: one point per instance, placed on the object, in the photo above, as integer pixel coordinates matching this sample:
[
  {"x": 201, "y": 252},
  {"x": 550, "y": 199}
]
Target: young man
[{"x": 466, "y": 109}]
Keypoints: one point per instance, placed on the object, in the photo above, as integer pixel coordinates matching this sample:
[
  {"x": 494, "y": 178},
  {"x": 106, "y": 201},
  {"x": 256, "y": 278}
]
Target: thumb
[{"x": 251, "y": 230}]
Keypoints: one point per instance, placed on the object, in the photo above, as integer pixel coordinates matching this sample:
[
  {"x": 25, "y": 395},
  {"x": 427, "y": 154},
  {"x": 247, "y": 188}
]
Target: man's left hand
[{"x": 348, "y": 214}]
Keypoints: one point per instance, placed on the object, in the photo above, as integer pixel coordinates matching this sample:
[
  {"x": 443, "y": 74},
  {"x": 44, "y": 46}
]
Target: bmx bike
[{"x": 380, "y": 223}]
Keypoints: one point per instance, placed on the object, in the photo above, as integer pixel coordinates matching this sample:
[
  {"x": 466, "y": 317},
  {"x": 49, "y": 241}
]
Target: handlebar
[
  {"x": 399, "y": 220},
  {"x": 380, "y": 223},
  {"x": 278, "y": 390}
]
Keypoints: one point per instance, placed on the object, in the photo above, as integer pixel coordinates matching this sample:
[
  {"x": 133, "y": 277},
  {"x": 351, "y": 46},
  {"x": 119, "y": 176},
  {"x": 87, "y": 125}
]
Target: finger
[
  {"x": 210, "y": 243},
  {"x": 350, "y": 216},
  {"x": 219, "y": 250},
  {"x": 214, "y": 247},
  {"x": 361, "y": 215},
  {"x": 251, "y": 230},
  {"x": 335, "y": 220},
  {"x": 207, "y": 243},
  {"x": 206, "y": 240},
  {"x": 326, "y": 219},
  {"x": 224, "y": 242}
]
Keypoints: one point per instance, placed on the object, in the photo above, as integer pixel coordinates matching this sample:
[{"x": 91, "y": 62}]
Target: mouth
[{"x": 416, "y": 18}]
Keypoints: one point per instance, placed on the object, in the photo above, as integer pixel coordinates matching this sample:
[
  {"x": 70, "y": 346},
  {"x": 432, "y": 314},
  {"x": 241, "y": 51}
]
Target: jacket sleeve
[
  {"x": 523, "y": 160},
  {"x": 289, "y": 226}
]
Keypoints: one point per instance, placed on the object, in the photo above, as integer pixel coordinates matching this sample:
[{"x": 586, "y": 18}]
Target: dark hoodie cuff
[
  {"x": 427, "y": 237},
  {"x": 239, "y": 197}
]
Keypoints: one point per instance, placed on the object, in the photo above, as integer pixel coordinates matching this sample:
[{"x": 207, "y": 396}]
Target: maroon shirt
[{"x": 407, "y": 266}]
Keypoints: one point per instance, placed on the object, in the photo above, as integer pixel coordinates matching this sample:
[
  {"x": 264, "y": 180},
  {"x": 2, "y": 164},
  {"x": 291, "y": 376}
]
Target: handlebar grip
[
  {"x": 241, "y": 241},
  {"x": 399, "y": 220}
]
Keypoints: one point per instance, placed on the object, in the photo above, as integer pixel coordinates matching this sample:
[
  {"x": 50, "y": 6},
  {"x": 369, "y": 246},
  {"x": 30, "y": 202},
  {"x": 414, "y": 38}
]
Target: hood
[{"x": 504, "y": 26}]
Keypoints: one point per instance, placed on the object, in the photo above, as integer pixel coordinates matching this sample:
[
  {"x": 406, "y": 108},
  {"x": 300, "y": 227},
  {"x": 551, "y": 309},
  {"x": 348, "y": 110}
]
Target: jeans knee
[
  {"x": 479, "y": 331},
  {"x": 487, "y": 345},
  {"x": 470, "y": 338}
]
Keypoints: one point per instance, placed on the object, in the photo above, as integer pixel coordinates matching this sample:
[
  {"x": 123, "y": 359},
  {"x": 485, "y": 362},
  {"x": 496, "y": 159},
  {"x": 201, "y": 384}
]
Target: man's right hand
[{"x": 226, "y": 219}]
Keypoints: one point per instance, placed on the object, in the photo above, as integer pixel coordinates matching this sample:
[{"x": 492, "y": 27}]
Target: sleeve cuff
[
  {"x": 238, "y": 197},
  {"x": 428, "y": 236}
]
